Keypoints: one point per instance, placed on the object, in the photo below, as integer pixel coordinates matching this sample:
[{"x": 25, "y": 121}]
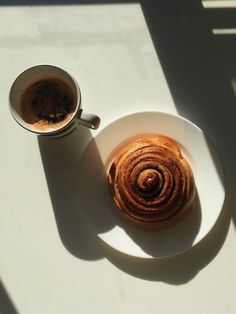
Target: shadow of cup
[{"x": 60, "y": 158}]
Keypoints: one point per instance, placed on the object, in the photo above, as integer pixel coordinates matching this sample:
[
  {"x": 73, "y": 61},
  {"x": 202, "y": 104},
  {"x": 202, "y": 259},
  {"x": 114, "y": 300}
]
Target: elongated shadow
[
  {"x": 178, "y": 269},
  {"x": 60, "y": 159},
  {"x": 170, "y": 241},
  {"x": 6, "y": 304}
]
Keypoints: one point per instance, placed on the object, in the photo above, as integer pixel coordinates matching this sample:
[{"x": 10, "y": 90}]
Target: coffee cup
[{"x": 46, "y": 100}]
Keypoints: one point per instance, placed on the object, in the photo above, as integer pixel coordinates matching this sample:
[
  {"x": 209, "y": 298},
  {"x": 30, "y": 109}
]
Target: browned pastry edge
[{"x": 170, "y": 175}]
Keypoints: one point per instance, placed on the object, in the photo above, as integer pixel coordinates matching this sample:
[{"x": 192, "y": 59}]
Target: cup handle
[{"x": 89, "y": 120}]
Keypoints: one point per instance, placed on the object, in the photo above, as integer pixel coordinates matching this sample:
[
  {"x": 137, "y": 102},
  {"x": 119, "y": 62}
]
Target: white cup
[{"x": 40, "y": 72}]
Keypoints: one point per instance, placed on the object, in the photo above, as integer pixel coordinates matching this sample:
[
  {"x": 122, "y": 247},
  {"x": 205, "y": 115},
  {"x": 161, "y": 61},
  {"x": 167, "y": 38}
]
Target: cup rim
[{"x": 59, "y": 129}]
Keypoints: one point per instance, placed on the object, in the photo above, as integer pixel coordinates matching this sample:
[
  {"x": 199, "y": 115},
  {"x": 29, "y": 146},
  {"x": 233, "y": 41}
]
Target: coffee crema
[{"x": 48, "y": 103}]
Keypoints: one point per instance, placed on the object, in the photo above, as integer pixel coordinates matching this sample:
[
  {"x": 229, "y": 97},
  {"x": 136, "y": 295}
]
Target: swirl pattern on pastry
[{"x": 150, "y": 180}]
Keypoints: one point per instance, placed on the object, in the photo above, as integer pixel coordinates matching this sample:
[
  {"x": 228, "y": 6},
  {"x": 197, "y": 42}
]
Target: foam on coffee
[{"x": 48, "y": 103}]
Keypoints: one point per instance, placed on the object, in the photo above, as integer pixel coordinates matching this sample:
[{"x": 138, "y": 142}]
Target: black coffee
[{"x": 48, "y": 102}]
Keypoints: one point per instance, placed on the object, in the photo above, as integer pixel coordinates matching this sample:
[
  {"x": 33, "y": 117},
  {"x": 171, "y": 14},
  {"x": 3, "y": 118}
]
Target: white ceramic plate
[{"x": 125, "y": 236}]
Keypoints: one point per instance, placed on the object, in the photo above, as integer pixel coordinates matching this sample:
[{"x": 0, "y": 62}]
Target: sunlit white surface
[
  {"x": 224, "y": 31},
  {"x": 217, "y": 4}
]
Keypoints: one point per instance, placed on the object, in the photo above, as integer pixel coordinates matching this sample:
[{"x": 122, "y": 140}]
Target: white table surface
[{"x": 51, "y": 262}]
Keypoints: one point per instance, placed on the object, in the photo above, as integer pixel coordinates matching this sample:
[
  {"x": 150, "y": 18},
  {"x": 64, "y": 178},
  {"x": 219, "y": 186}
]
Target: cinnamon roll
[{"x": 150, "y": 180}]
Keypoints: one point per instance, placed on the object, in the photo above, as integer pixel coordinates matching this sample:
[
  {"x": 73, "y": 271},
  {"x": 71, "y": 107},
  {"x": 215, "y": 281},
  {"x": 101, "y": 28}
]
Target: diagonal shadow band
[{"x": 6, "y": 304}]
